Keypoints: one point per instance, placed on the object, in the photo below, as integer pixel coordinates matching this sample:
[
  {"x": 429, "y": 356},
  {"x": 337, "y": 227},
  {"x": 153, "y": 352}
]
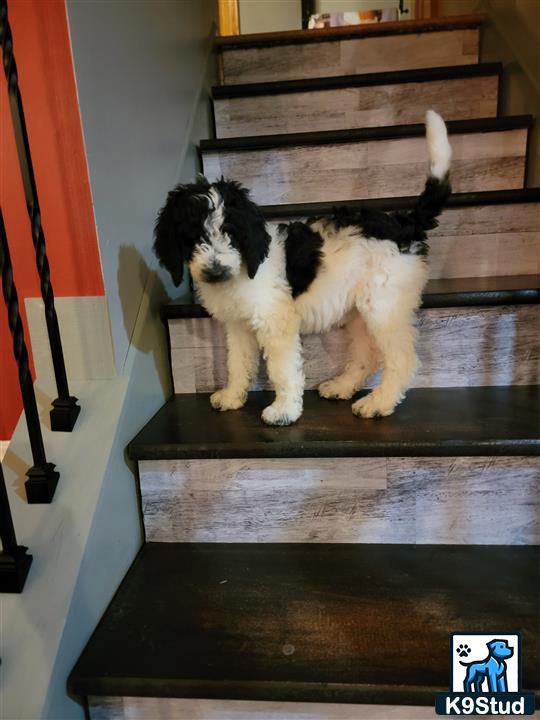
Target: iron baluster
[
  {"x": 65, "y": 409},
  {"x": 42, "y": 476}
]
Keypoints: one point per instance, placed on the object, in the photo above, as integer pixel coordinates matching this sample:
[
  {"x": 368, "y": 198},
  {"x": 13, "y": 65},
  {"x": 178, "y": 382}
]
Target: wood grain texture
[
  {"x": 356, "y": 107},
  {"x": 481, "y": 500},
  {"x": 141, "y": 708},
  {"x": 309, "y": 622},
  {"x": 457, "y": 347},
  {"x": 351, "y": 56},
  {"x": 369, "y": 169}
]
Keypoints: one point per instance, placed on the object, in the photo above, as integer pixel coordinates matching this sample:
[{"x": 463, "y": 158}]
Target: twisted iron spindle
[
  {"x": 65, "y": 408},
  {"x": 42, "y": 476},
  {"x": 14, "y": 559}
]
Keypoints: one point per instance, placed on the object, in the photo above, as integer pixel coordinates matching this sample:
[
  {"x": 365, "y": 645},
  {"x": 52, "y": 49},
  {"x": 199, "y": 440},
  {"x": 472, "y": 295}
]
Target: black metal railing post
[
  {"x": 14, "y": 559},
  {"x": 65, "y": 409},
  {"x": 42, "y": 476}
]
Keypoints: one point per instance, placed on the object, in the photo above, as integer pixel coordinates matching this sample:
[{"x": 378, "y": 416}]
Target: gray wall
[
  {"x": 143, "y": 70},
  {"x": 140, "y": 66},
  {"x": 512, "y": 35}
]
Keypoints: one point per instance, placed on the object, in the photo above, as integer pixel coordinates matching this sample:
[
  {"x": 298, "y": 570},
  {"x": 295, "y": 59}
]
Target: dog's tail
[
  {"x": 414, "y": 224},
  {"x": 437, "y": 189}
]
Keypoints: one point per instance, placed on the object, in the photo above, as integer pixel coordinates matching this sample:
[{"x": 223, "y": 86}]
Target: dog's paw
[
  {"x": 463, "y": 650},
  {"x": 227, "y": 400},
  {"x": 371, "y": 406},
  {"x": 336, "y": 390},
  {"x": 277, "y": 414}
]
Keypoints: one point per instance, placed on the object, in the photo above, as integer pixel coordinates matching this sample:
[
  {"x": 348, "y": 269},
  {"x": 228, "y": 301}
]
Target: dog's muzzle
[{"x": 215, "y": 273}]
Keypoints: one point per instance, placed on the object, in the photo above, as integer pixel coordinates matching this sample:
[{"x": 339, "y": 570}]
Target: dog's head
[
  {"x": 215, "y": 228},
  {"x": 499, "y": 649}
]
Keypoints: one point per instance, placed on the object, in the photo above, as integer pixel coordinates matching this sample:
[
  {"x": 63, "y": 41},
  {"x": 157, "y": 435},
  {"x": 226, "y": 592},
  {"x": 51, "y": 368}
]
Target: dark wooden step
[
  {"x": 307, "y": 623},
  {"x": 469, "y": 199},
  {"x": 396, "y": 77},
  {"x": 451, "y": 292},
  {"x": 437, "y": 422},
  {"x": 390, "y": 132},
  {"x": 300, "y": 37}
]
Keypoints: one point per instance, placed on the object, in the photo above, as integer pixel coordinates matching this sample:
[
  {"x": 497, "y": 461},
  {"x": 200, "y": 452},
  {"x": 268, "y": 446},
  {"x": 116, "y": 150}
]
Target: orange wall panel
[{"x": 46, "y": 78}]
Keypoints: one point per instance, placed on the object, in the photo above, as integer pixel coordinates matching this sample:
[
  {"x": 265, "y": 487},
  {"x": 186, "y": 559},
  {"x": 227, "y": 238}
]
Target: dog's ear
[
  {"x": 179, "y": 227},
  {"x": 245, "y": 224},
  {"x": 168, "y": 245}
]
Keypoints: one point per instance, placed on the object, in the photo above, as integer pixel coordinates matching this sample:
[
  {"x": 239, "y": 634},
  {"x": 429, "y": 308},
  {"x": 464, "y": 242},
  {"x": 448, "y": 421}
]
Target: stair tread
[
  {"x": 401, "y": 27},
  {"x": 306, "y": 622},
  {"x": 344, "y": 81},
  {"x": 445, "y": 292},
  {"x": 430, "y": 422},
  {"x": 320, "y": 137},
  {"x": 467, "y": 199}
]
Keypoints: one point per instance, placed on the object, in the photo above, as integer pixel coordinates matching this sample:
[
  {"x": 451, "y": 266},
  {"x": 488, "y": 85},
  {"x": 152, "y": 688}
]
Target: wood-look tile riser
[
  {"x": 457, "y": 347},
  {"x": 370, "y": 169},
  {"x": 146, "y": 708},
  {"x": 356, "y": 107},
  {"x": 351, "y": 56},
  {"x": 480, "y": 500}
]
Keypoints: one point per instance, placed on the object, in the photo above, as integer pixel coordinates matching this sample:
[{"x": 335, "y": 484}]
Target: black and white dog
[{"x": 363, "y": 269}]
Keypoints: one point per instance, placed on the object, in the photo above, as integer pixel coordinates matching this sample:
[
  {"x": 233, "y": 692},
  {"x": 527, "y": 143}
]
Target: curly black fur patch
[
  {"x": 408, "y": 229},
  {"x": 244, "y": 223},
  {"x": 303, "y": 252}
]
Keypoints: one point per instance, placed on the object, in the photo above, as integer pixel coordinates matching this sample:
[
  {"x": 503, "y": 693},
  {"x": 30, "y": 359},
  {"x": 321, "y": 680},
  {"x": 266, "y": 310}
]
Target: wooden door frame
[{"x": 229, "y": 17}]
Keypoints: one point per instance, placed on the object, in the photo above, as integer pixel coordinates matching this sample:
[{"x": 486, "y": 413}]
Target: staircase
[{"x": 316, "y": 571}]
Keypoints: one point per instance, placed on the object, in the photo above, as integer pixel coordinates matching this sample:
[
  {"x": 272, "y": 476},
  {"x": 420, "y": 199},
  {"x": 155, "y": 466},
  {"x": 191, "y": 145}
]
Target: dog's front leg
[
  {"x": 242, "y": 363},
  {"x": 282, "y": 350}
]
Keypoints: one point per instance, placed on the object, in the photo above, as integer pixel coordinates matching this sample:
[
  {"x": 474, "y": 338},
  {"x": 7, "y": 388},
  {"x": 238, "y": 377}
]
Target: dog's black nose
[{"x": 216, "y": 273}]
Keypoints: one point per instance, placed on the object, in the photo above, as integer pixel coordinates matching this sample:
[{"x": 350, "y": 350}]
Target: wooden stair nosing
[
  {"x": 174, "y": 628},
  {"x": 450, "y": 292},
  {"x": 467, "y": 199},
  {"x": 389, "y": 132},
  {"x": 431, "y": 422},
  {"x": 401, "y": 27},
  {"x": 281, "y": 87}
]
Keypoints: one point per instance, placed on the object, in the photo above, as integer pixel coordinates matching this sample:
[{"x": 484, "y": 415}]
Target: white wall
[{"x": 270, "y": 15}]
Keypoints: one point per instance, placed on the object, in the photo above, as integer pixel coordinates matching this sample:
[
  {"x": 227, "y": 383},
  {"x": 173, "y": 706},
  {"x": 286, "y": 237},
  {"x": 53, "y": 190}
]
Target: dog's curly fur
[{"x": 362, "y": 269}]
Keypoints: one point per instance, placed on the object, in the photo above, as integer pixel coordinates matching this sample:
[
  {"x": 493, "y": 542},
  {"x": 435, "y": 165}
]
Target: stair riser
[
  {"x": 456, "y": 346},
  {"x": 135, "y": 708},
  {"x": 350, "y": 57},
  {"x": 478, "y": 500},
  {"x": 370, "y": 169},
  {"x": 489, "y": 241},
  {"x": 356, "y": 107}
]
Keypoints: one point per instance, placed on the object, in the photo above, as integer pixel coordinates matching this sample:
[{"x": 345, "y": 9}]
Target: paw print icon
[{"x": 463, "y": 650}]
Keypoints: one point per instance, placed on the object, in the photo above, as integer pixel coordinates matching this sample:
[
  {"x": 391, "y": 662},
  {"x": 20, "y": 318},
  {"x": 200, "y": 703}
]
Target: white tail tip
[{"x": 440, "y": 152}]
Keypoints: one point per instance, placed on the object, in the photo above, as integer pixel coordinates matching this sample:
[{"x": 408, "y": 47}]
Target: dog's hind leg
[
  {"x": 242, "y": 363},
  {"x": 395, "y": 337},
  {"x": 363, "y": 363}
]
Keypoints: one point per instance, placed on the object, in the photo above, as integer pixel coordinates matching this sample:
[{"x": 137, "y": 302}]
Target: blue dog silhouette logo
[
  {"x": 485, "y": 676},
  {"x": 492, "y": 668}
]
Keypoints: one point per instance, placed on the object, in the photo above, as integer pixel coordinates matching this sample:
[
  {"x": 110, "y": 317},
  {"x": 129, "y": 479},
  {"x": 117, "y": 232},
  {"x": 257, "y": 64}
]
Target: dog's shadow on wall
[{"x": 142, "y": 295}]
